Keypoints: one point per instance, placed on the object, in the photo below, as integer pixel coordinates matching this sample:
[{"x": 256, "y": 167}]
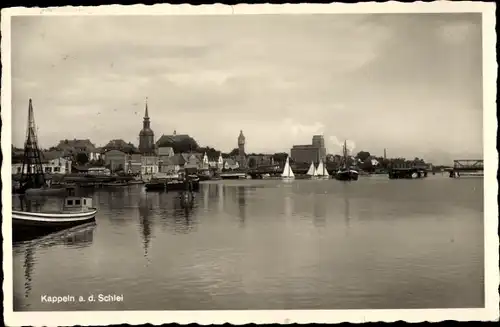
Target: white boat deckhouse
[{"x": 287, "y": 170}]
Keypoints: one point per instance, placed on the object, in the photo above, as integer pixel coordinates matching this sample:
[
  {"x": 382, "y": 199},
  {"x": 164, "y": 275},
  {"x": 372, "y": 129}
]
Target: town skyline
[{"x": 362, "y": 79}]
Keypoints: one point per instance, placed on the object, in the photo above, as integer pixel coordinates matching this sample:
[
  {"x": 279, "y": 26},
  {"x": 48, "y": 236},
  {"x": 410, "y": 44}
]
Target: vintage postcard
[{"x": 309, "y": 163}]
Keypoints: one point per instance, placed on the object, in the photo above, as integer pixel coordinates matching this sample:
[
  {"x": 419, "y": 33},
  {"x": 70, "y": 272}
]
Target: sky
[{"x": 410, "y": 83}]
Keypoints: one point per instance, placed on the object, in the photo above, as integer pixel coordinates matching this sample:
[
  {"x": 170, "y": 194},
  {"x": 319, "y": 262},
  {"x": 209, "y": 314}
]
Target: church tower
[
  {"x": 146, "y": 135},
  {"x": 241, "y": 150}
]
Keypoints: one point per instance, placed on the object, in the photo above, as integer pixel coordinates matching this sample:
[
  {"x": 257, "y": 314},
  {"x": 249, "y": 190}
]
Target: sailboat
[
  {"x": 287, "y": 171},
  {"x": 312, "y": 172},
  {"x": 346, "y": 172},
  {"x": 322, "y": 172}
]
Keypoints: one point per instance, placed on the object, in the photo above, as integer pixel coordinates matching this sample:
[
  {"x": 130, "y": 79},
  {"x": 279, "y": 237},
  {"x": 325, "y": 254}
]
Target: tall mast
[
  {"x": 32, "y": 171},
  {"x": 345, "y": 154}
]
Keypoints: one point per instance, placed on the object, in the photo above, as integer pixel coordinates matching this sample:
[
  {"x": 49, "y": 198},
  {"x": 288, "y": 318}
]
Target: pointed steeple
[
  {"x": 146, "y": 135},
  {"x": 146, "y": 113}
]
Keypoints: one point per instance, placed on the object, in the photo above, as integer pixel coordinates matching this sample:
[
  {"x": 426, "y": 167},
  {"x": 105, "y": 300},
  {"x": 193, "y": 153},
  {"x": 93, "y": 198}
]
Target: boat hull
[
  {"x": 37, "y": 223},
  {"x": 347, "y": 176},
  {"x": 170, "y": 186},
  {"x": 114, "y": 184}
]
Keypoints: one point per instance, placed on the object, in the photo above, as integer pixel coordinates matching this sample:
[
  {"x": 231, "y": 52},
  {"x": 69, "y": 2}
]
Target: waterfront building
[
  {"x": 314, "y": 152},
  {"x": 220, "y": 162},
  {"x": 146, "y": 136},
  {"x": 57, "y": 166},
  {"x": 95, "y": 155},
  {"x": 98, "y": 171},
  {"x": 164, "y": 156},
  {"x": 255, "y": 161},
  {"x": 171, "y": 165},
  {"x": 205, "y": 162},
  {"x": 231, "y": 164},
  {"x": 133, "y": 164},
  {"x": 115, "y": 160},
  {"x": 213, "y": 163},
  {"x": 149, "y": 164}
]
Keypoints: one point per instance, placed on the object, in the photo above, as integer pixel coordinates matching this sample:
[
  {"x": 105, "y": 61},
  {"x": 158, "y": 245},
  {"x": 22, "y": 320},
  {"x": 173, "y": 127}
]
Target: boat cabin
[{"x": 74, "y": 203}]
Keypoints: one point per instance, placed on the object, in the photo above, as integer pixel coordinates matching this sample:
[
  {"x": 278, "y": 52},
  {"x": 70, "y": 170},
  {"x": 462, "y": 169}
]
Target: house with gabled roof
[
  {"x": 231, "y": 164},
  {"x": 174, "y": 138},
  {"x": 171, "y": 165},
  {"x": 165, "y": 151}
]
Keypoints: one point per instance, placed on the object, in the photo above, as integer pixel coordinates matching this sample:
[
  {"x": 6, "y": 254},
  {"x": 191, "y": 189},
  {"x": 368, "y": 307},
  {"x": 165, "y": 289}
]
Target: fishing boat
[
  {"x": 33, "y": 180},
  {"x": 75, "y": 211},
  {"x": 287, "y": 174},
  {"x": 322, "y": 172},
  {"x": 346, "y": 172},
  {"x": 312, "y": 172}
]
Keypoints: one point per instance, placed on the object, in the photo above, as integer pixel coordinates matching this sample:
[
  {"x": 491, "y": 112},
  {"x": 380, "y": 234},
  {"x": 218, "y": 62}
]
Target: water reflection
[
  {"x": 76, "y": 237},
  {"x": 319, "y": 210},
  {"x": 183, "y": 218},
  {"x": 288, "y": 203},
  {"x": 242, "y": 205},
  {"x": 205, "y": 191},
  {"x": 220, "y": 196},
  {"x": 145, "y": 224},
  {"x": 347, "y": 211},
  {"x": 28, "y": 265}
]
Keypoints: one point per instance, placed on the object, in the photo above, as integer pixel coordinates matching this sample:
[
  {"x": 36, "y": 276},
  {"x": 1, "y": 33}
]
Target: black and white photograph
[{"x": 250, "y": 163}]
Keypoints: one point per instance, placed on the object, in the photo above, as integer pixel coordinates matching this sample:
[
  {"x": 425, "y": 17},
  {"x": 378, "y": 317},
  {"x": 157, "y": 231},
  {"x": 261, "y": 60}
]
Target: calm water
[{"x": 375, "y": 243}]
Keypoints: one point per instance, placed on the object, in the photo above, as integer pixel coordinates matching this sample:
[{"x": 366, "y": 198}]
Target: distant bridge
[{"x": 466, "y": 166}]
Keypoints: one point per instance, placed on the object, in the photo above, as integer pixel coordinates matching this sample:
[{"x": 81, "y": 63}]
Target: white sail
[
  {"x": 312, "y": 170},
  {"x": 322, "y": 169},
  {"x": 287, "y": 171}
]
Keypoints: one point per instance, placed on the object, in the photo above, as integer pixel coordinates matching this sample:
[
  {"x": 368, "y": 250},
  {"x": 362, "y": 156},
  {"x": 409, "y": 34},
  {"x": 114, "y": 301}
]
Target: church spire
[{"x": 146, "y": 114}]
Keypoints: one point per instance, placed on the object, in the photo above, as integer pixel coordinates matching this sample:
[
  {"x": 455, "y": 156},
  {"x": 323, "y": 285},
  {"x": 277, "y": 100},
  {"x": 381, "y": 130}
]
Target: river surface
[{"x": 266, "y": 244}]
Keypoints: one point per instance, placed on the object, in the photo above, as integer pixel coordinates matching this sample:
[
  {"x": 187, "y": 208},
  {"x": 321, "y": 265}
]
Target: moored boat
[
  {"x": 321, "y": 172},
  {"x": 134, "y": 181},
  {"x": 171, "y": 185},
  {"x": 312, "y": 173},
  {"x": 75, "y": 211},
  {"x": 287, "y": 174},
  {"x": 115, "y": 184},
  {"x": 233, "y": 175},
  {"x": 346, "y": 172}
]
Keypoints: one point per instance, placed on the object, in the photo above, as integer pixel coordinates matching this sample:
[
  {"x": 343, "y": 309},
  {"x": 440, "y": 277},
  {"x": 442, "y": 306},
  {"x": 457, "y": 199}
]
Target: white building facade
[{"x": 58, "y": 166}]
